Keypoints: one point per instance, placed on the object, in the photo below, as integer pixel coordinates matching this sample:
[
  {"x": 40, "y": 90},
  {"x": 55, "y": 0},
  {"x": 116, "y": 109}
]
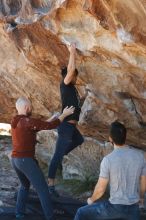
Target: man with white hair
[{"x": 24, "y": 130}]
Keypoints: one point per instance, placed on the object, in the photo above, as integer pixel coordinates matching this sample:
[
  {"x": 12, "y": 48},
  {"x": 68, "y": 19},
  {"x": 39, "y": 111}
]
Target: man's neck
[
  {"x": 119, "y": 146},
  {"x": 22, "y": 113}
]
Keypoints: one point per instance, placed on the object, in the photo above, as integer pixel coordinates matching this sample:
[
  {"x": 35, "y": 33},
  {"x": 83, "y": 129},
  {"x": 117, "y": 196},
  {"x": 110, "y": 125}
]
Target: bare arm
[
  {"x": 71, "y": 65},
  {"x": 67, "y": 111},
  {"x": 38, "y": 125},
  {"x": 143, "y": 183},
  {"x": 142, "y": 189},
  {"x": 99, "y": 190},
  {"x": 53, "y": 117}
]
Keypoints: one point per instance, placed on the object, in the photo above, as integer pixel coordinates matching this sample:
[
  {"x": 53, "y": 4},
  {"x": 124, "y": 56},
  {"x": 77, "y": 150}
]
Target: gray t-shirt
[{"x": 123, "y": 167}]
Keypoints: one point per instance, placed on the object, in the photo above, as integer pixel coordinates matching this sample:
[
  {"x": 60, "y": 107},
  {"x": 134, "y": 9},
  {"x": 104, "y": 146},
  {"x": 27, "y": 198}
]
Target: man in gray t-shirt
[{"x": 125, "y": 171}]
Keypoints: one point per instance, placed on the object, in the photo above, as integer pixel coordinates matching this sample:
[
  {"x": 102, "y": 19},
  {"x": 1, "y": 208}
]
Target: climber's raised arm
[{"x": 71, "y": 69}]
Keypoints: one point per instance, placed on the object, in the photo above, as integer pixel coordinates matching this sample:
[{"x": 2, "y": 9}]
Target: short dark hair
[
  {"x": 64, "y": 72},
  {"x": 118, "y": 133}
]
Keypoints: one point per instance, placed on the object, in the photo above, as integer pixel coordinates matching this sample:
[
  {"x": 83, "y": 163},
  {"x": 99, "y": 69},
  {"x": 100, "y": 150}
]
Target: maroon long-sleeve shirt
[{"x": 24, "y": 131}]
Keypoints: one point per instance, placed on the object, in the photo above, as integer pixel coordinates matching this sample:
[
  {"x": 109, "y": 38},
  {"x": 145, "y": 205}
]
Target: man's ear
[
  {"x": 26, "y": 108},
  {"x": 111, "y": 140}
]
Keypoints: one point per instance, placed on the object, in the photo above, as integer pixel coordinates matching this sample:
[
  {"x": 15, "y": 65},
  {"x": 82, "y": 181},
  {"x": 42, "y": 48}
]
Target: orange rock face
[{"x": 111, "y": 57}]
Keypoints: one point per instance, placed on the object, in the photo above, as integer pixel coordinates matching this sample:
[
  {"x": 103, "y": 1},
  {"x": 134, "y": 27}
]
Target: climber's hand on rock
[{"x": 72, "y": 48}]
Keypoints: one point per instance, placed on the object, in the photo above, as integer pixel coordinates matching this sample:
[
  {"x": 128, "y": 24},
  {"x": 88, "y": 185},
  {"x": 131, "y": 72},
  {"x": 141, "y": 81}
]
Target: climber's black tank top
[{"x": 70, "y": 97}]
